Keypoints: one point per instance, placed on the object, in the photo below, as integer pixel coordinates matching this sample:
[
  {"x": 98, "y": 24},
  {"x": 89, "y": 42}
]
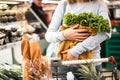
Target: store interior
[{"x": 13, "y": 25}]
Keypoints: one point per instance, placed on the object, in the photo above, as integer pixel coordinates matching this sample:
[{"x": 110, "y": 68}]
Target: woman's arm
[
  {"x": 92, "y": 41},
  {"x": 53, "y": 34}
]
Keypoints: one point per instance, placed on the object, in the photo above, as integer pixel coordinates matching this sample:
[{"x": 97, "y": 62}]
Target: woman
[{"x": 86, "y": 42}]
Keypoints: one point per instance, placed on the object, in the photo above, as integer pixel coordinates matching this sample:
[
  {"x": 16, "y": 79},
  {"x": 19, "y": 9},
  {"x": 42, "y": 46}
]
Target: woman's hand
[
  {"x": 76, "y": 34},
  {"x": 69, "y": 55}
]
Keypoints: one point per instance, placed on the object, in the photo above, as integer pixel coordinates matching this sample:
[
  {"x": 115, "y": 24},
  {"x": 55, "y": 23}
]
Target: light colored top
[{"x": 92, "y": 42}]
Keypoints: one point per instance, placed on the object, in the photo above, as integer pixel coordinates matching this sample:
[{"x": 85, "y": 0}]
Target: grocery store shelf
[
  {"x": 10, "y": 45},
  {"x": 13, "y": 23}
]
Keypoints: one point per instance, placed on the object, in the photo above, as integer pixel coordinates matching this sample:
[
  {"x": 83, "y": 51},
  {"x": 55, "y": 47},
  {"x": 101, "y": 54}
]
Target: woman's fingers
[
  {"x": 81, "y": 30},
  {"x": 75, "y": 34},
  {"x": 81, "y": 36},
  {"x": 69, "y": 55},
  {"x": 65, "y": 51}
]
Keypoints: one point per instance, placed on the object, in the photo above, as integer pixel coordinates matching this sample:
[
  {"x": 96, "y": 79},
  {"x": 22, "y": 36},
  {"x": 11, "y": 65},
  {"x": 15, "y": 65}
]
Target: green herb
[
  {"x": 70, "y": 19},
  {"x": 87, "y": 19}
]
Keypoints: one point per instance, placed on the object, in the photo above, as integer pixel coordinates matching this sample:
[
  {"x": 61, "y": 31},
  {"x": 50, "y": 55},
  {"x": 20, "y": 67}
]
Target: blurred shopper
[
  {"x": 38, "y": 9},
  {"x": 36, "y": 6}
]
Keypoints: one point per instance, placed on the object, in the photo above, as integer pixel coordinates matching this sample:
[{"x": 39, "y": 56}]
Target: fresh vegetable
[
  {"x": 8, "y": 72},
  {"x": 87, "y": 19},
  {"x": 3, "y": 77},
  {"x": 89, "y": 72},
  {"x": 70, "y": 19}
]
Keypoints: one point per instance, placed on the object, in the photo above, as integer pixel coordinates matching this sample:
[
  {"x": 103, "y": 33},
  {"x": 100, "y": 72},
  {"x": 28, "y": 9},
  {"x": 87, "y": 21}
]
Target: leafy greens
[{"x": 87, "y": 19}]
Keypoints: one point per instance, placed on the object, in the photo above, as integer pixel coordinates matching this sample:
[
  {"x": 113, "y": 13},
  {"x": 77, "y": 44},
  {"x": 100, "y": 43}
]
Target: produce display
[
  {"x": 3, "y": 6},
  {"x": 86, "y": 20},
  {"x": 7, "y": 16},
  {"x": 10, "y": 72},
  {"x": 11, "y": 32},
  {"x": 11, "y": 24}
]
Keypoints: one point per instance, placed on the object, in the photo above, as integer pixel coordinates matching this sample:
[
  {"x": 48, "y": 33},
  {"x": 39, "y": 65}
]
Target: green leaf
[{"x": 87, "y": 19}]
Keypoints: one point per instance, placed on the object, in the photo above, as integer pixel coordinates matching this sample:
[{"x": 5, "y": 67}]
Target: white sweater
[{"x": 93, "y": 42}]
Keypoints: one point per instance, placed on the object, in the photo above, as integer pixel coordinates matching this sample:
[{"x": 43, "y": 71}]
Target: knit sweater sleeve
[{"x": 53, "y": 34}]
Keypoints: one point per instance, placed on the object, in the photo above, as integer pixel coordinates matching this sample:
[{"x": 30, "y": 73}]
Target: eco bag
[{"x": 67, "y": 44}]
